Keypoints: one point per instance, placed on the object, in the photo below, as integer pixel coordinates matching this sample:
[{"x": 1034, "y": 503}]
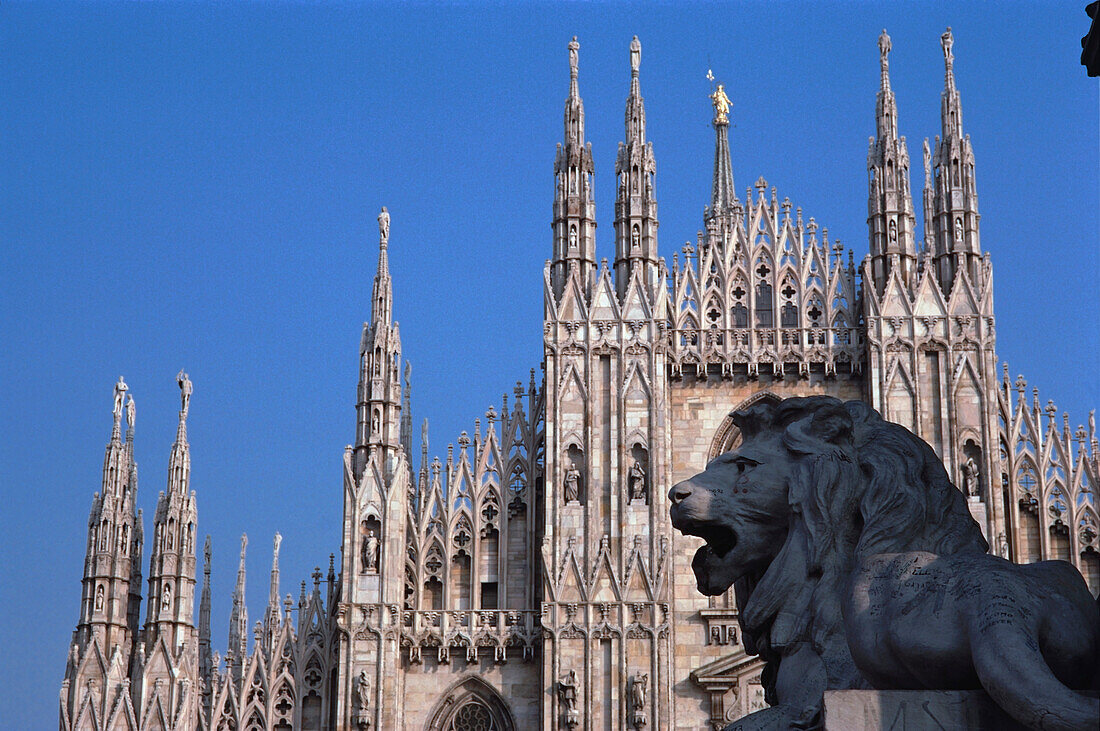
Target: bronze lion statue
[{"x": 856, "y": 564}]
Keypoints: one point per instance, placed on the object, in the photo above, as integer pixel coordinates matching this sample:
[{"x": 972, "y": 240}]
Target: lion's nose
[{"x": 679, "y": 492}]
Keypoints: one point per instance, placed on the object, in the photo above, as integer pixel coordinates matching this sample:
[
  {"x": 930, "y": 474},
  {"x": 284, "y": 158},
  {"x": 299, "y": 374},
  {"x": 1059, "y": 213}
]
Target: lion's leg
[
  {"x": 1012, "y": 670},
  {"x": 799, "y": 687}
]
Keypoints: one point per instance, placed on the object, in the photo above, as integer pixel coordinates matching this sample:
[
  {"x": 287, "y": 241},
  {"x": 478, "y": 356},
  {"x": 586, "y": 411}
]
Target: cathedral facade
[{"x": 531, "y": 578}]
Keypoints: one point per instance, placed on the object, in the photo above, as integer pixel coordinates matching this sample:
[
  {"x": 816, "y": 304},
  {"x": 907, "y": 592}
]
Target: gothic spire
[
  {"x": 574, "y": 208},
  {"x": 206, "y": 661},
  {"x": 171, "y": 601},
  {"x": 951, "y": 116},
  {"x": 179, "y": 463},
  {"x": 723, "y": 196},
  {"x": 273, "y": 594},
  {"x": 111, "y": 583},
  {"x": 406, "y": 415},
  {"x": 890, "y": 220},
  {"x": 378, "y": 404},
  {"x": 955, "y": 198},
  {"x": 238, "y": 617},
  {"x": 382, "y": 294},
  {"x": 635, "y": 207}
]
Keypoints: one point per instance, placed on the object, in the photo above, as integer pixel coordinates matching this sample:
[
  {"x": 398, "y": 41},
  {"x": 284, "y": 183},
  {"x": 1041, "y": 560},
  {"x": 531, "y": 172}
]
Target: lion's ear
[
  {"x": 754, "y": 419},
  {"x": 828, "y": 423}
]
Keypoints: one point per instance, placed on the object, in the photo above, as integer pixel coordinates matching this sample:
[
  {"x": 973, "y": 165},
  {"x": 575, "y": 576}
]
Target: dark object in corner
[{"x": 1090, "y": 44}]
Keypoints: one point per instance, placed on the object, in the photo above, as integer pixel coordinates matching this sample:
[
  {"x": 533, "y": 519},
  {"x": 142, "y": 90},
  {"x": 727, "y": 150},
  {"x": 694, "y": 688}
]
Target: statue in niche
[
  {"x": 99, "y": 598},
  {"x": 572, "y": 237},
  {"x": 384, "y": 225},
  {"x": 120, "y": 394},
  {"x": 370, "y": 551},
  {"x": 970, "y": 477},
  {"x": 958, "y": 232},
  {"x": 638, "y": 685},
  {"x": 362, "y": 701},
  {"x": 897, "y": 559},
  {"x": 572, "y": 489},
  {"x": 567, "y": 693},
  {"x": 166, "y": 598},
  {"x": 374, "y": 425},
  {"x": 637, "y": 481},
  {"x": 893, "y": 232},
  {"x": 635, "y": 238}
]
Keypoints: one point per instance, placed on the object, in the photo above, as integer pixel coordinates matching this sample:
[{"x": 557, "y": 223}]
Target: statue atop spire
[
  {"x": 384, "y": 227},
  {"x": 884, "y": 48},
  {"x": 574, "y": 46},
  {"x": 947, "y": 41},
  {"x": 721, "y": 105},
  {"x": 635, "y": 56},
  {"x": 120, "y": 396},
  {"x": 131, "y": 413},
  {"x": 185, "y": 393}
]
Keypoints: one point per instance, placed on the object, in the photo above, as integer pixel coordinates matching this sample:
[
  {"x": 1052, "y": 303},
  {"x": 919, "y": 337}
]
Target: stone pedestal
[{"x": 914, "y": 710}]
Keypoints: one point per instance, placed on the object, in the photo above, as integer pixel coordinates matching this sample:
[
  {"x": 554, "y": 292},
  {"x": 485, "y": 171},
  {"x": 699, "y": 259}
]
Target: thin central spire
[
  {"x": 382, "y": 295},
  {"x": 722, "y": 196}
]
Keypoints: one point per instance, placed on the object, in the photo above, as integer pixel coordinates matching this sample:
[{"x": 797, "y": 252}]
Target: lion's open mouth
[{"x": 720, "y": 539}]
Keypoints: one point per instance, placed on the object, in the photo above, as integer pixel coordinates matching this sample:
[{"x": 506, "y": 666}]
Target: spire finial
[
  {"x": 207, "y": 552},
  {"x": 884, "y": 48},
  {"x": 721, "y": 104},
  {"x": 635, "y": 56},
  {"x": 574, "y": 46},
  {"x": 185, "y": 394},
  {"x": 244, "y": 544},
  {"x": 927, "y": 155},
  {"x": 120, "y": 397},
  {"x": 947, "y": 41},
  {"x": 131, "y": 415},
  {"x": 383, "y": 228}
]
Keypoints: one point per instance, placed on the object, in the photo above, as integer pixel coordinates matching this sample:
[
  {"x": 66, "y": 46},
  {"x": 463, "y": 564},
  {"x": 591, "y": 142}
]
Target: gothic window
[
  {"x": 788, "y": 316},
  {"x": 517, "y": 483},
  {"x": 764, "y": 312},
  {"x": 740, "y": 315},
  {"x": 473, "y": 717}
]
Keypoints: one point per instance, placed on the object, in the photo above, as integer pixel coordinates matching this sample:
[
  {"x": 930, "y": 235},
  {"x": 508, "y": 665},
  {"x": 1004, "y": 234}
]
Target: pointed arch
[{"x": 475, "y": 702}]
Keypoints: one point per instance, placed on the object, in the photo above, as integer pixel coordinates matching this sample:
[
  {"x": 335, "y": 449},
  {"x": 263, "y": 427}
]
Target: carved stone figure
[
  {"x": 638, "y": 691},
  {"x": 185, "y": 392},
  {"x": 166, "y": 597},
  {"x": 970, "y": 477},
  {"x": 637, "y": 481},
  {"x": 99, "y": 598},
  {"x": 567, "y": 693},
  {"x": 856, "y": 564},
  {"x": 370, "y": 551},
  {"x": 131, "y": 412},
  {"x": 120, "y": 394},
  {"x": 384, "y": 225},
  {"x": 572, "y": 489},
  {"x": 362, "y": 701}
]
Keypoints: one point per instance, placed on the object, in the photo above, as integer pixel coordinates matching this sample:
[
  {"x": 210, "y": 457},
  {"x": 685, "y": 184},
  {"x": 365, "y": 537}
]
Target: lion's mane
[{"x": 860, "y": 486}]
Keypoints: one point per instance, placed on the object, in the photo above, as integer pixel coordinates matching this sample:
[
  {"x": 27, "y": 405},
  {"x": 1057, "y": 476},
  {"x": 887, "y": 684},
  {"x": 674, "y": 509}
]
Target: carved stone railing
[
  {"x": 471, "y": 632},
  {"x": 774, "y": 349}
]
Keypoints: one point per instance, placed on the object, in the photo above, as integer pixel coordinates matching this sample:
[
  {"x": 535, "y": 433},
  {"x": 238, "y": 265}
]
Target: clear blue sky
[{"x": 196, "y": 185}]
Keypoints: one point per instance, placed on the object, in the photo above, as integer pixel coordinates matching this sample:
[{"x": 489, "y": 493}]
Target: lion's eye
[{"x": 743, "y": 464}]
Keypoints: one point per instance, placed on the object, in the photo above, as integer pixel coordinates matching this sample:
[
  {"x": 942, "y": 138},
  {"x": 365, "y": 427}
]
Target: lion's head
[{"x": 815, "y": 483}]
